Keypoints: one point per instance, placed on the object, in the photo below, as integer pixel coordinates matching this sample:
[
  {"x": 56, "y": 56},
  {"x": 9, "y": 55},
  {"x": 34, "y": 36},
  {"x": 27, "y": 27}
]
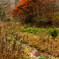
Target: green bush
[{"x": 42, "y": 57}]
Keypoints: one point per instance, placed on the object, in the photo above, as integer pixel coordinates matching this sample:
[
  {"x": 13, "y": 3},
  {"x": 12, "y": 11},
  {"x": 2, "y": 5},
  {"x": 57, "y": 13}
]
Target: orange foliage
[{"x": 32, "y": 7}]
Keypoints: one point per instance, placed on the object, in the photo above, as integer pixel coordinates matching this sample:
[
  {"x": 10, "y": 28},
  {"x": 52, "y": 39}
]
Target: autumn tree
[{"x": 26, "y": 10}]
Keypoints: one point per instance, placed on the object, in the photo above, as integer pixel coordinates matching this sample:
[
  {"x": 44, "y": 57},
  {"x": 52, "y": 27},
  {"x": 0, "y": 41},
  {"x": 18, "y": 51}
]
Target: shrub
[{"x": 26, "y": 10}]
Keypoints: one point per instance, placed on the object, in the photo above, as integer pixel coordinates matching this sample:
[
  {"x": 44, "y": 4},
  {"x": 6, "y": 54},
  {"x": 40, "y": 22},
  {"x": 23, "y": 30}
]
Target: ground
[{"x": 21, "y": 40}]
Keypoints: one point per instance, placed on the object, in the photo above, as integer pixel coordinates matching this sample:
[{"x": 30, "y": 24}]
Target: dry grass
[{"x": 12, "y": 37}]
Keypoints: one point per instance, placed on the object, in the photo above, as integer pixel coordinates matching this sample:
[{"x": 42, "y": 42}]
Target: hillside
[{"x": 29, "y": 30}]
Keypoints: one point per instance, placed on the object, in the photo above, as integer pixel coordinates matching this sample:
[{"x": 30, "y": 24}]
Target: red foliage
[{"x": 32, "y": 7}]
